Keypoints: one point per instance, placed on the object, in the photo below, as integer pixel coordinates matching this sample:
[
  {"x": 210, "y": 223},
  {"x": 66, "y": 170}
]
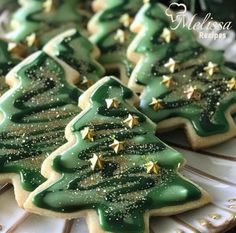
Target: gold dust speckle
[
  {"x": 172, "y": 65},
  {"x": 215, "y": 216},
  {"x": 96, "y": 162},
  {"x": 211, "y": 68},
  {"x": 131, "y": 121},
  {"x": 117, "y": 146},
  {"x": 152, "y": 167},
  {"x": 112, "y": 103},
  {"x": 126, "y": 20},
  {"x": 156, "y": 104},
  {"x": 86, "y": 83}
]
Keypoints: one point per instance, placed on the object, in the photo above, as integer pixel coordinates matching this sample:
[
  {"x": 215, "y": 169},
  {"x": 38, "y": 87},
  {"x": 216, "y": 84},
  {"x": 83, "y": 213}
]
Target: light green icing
[
  {"x": 32, "y": 18},
  {"x": 122, "y": 190}
]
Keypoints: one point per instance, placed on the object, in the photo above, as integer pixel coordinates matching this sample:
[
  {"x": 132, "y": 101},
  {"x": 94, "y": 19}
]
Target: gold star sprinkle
[
  {"x": 172, "y": 65},
  {"x": 32, "y": 40},
  {"x": 120, "y": 36},
  {"x": 231, "y": 84},
  {"x": 17, "y": 49},
  {"x": 167, "y": 35},
  {"x": 156, "y": 104},
  {"x": 131, "y": 121},
  {"x": 167, "y": 81},
  {"x": 88, "y": 133},
  {"x": 193, "y": 93},
  {"x": 117, "y": 146},
  {"x": 211, "y": 68},
  {"x": 126, "y": 20},
  {"x": 86, "y": 83},
  {"x": 96, "y": 162},
  {"x": 112, "y": 103},
  {"x": 49, "y": 6},
  {"x": 152, "y": 168}
]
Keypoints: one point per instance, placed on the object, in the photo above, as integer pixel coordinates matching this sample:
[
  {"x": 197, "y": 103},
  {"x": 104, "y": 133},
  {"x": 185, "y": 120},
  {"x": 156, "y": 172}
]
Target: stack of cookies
[{"x": 85, "y": 87}]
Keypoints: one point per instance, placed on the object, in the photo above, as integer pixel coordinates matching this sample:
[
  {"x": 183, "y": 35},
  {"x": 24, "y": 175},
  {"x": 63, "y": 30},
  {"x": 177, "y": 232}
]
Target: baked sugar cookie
[
  {"x": 41, "y": 102},
  {"x": 110, "y": 32},
  {"x": 113, "y": 170}
]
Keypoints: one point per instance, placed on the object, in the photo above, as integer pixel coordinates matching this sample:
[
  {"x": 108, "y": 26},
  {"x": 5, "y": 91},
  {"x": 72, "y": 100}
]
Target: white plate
[{"x": 214, "y": 169}]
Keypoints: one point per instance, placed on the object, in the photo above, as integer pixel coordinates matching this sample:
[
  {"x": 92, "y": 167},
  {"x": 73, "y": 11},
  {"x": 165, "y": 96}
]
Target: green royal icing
[
  {"x": 32, "y": 18},
  {"x": 206, "y": 115},
  {"x": 108, "y": 21},
  {"x": 7, "y": 61},
  {"x": 35, "y": 115},
  {"x": 122, "y": 190}
]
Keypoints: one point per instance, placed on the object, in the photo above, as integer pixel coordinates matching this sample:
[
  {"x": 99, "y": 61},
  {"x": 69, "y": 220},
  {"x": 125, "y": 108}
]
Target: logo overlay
[{"x": 207, "y": 28}]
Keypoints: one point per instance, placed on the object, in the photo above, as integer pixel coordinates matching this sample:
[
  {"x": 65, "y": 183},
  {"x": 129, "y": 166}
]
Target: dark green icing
[
  {"x": 206, "y": 115},
  {"x": 108, "y": 22},
  {"x": 76, "y": 50},
  {"x": 32, "y": 18},
  {"x": 122, "y": 190},
  {"x": 7, "y": 61}
]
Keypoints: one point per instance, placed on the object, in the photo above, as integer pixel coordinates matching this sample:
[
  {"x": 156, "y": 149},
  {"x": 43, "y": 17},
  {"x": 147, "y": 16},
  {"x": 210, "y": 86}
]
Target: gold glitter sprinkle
[
  {"x": 172, "y": 65},
  {"x": 32, "y": 40},
  {"x": 193, "y": 93},
  {"x": 167, "y": 81},
  {"x": 231, "y": 84},
  {"x": 156, "y": 104},
  {"x": 131, "y": 121},
  {"x": 126, "y": 20},
  {"x": 211, "y": 68},
  {"x": 152, "y": 168},
  {"x": 96, "y": 162},
  {"x": 112, "y": 103},
  {"x": 49, "y": 6},
  {"x": 88, "y": 133},
  {"x": 120, "y": 36},
  {"x": 17, "y": 49},
  {"x": 117, "y": 146},
  {"x": 167, "y": 35}
]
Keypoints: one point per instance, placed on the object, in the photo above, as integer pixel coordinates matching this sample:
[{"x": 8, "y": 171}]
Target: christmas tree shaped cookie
[
  {"x": 38, "y": 21},
  {"x": 110, "y": 29},
  {"x": 155, "y": 43},
  {"x": 194, "y": 91},
  {"x": 113, "y": 170},
  {"x": 79, "y": 53},
  {"x": 41, "y": 102}
]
